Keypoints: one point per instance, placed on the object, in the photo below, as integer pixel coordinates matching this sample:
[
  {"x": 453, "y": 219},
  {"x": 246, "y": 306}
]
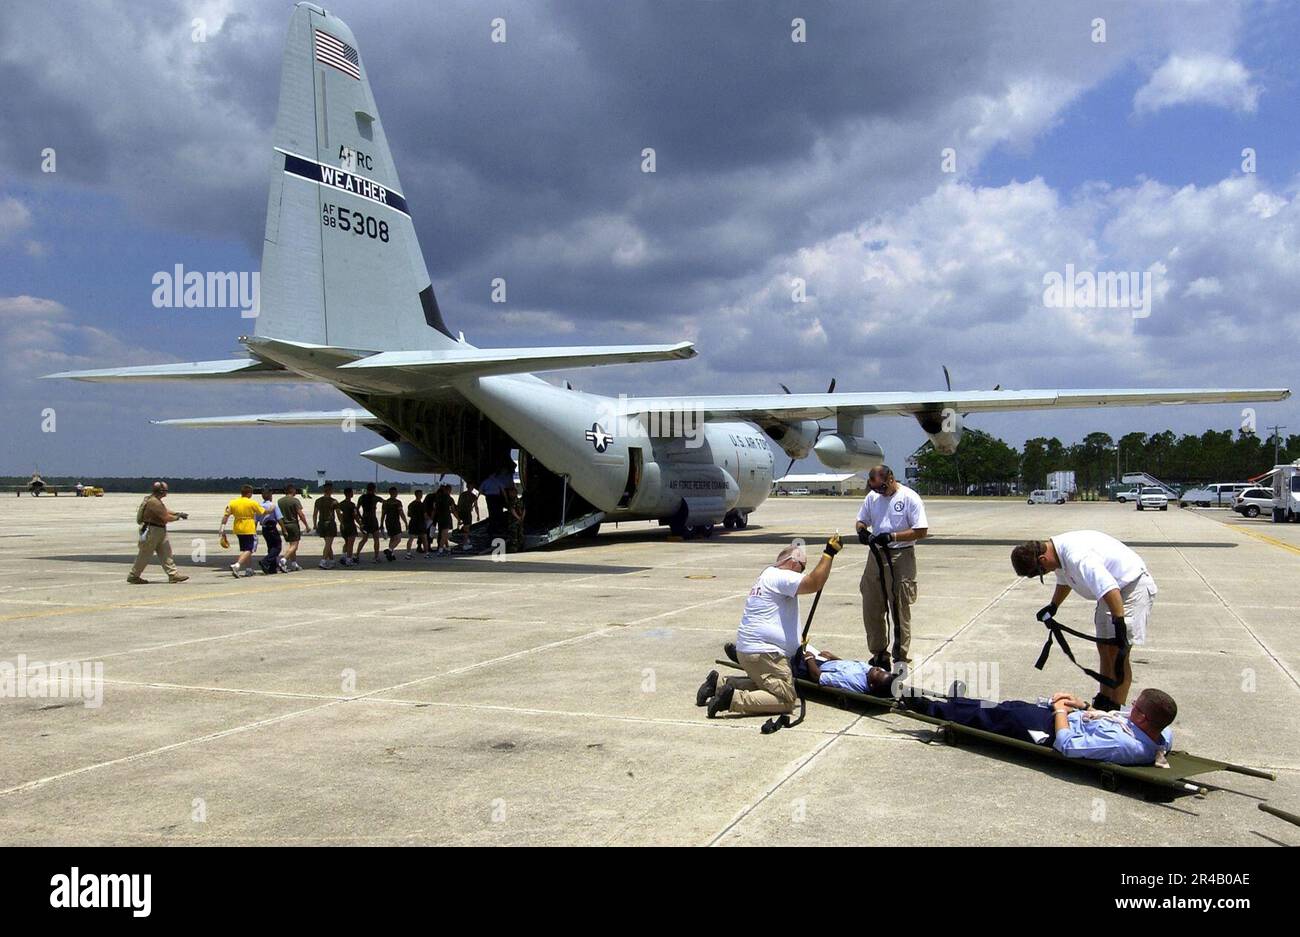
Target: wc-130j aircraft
[{"x": 346, "y": 299}]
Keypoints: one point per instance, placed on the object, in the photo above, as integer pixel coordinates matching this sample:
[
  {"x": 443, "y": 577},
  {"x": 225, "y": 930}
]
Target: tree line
[{"x": 984, "y": 464}]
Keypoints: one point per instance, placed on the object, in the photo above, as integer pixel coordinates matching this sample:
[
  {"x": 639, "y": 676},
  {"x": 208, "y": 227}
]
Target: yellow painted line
[{"x": 1289, "y": 547}]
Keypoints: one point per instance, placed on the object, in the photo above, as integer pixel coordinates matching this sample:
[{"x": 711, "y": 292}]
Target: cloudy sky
[{"x": 919, "y": 166}]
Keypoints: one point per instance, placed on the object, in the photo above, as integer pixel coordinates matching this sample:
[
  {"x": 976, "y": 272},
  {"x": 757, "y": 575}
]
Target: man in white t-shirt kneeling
[{"x": 768, "y": 637}]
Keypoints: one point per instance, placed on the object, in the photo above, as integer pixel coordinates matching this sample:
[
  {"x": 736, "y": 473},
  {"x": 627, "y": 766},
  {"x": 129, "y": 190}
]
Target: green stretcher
[{"x": 1174, "y": 779}]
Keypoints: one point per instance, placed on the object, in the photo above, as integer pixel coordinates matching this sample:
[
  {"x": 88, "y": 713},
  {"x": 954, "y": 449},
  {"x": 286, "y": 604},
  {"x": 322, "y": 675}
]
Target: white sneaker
[
  {"x": 280, "y": 564},
  {"x": 234, "y": 570},
  {"x": 294, "y": 567},
  {"x": 249, "y": 572}
]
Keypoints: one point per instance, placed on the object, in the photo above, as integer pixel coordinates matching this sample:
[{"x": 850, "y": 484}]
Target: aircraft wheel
[
  {"x": 742, "y": 520},
  {"x": 729, "y": 522},
  {"x": 1109, "y": 781}
]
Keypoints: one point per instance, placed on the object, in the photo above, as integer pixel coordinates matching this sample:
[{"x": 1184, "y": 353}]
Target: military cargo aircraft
[{"x": 346, "y": 300}]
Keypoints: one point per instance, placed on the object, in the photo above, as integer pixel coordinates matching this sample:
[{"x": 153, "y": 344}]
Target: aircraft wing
[
  {"x": 786, "y": 407},
  {"x": 416, "y": 369},
  {"x": 298, "y": 418},
  {"x": 240, "y": 369}
]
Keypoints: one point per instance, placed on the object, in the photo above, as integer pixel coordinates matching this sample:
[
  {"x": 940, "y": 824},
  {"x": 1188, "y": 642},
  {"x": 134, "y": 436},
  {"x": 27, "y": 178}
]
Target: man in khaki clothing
[
  {"x": 891, "y": 520},
  {"x": 768, "y": 637},
  {"x": 154, "y": 517}
]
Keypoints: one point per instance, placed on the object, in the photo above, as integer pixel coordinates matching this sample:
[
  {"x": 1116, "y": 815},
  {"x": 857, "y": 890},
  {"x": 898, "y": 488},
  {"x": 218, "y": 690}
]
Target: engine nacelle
[
  {"x": 850, "y": 453},
  {"x": 401, "y": 457},
  {"x": 944, "y": 427},
  {"x": 795, "y": 439}
]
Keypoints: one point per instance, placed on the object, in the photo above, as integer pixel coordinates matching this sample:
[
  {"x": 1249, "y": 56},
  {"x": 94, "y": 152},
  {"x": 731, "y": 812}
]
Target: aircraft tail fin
[{"x": 341, "y": 264}]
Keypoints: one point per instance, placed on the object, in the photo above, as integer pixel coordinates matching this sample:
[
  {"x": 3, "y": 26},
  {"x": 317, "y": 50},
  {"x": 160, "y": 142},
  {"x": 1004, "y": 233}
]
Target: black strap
[
  {"x": 890, "y": 593},
  {"x": 1055, "y": 632}
]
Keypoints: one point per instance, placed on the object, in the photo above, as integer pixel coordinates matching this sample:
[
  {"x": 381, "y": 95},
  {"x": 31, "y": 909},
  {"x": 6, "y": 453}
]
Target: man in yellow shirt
[{"x": 245, "y": 511}]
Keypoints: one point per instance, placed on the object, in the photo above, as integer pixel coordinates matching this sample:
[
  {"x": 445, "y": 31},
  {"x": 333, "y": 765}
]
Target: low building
[{"x": 821, "y": 484}]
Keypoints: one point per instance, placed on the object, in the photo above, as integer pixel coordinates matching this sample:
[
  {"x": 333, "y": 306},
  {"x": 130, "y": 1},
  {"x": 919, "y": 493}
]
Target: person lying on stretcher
[
  {"x": 1137, "y": 736},
  {"x": 825, "y": 668}
]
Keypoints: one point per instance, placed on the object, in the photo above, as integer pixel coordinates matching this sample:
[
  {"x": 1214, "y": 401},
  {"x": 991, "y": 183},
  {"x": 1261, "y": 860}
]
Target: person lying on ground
[{"x": 1137, "y": 736}]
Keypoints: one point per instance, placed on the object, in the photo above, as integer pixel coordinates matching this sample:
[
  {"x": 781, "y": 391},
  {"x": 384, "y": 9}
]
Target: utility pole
[{"x": 1277, "y": 440}]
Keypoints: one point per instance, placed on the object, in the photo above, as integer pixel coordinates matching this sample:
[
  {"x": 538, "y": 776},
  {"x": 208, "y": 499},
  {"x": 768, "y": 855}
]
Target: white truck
[
  {"x": 1286, "y": 493},
  {"x": 1062, "y": 481}
]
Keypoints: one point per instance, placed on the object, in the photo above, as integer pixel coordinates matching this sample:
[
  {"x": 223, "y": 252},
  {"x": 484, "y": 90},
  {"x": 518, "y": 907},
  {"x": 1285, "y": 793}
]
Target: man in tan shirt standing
[{"x": 153, "y": 518}]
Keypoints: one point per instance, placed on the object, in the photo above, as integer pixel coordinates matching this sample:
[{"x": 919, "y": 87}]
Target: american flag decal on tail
[{"x": 337, "y": 54}]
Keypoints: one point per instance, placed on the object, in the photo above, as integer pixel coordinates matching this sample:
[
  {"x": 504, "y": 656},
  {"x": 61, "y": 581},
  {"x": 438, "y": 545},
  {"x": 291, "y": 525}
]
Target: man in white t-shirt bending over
[
  {"x": 1102, "y": 570},
  {"x": 892, "y": 518},
  {"x": 768, "y": 637}
]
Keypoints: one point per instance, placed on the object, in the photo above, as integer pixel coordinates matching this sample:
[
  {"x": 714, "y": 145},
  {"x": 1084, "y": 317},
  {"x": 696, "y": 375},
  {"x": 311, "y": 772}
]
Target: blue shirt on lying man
[
  {"x": 1136, "y": 737},
  {"x": 855, "y": 675}
]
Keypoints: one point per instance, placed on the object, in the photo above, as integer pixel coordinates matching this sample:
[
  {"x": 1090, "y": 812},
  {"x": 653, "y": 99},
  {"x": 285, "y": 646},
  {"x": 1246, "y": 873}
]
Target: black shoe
[
  {"x": 722, "y": 702},
  {"x": 730, "y": 650},
  {"x": 1104, "y": 703},
  {"x": 881, "y": 660},
  {"x": 707, "y": 689}
]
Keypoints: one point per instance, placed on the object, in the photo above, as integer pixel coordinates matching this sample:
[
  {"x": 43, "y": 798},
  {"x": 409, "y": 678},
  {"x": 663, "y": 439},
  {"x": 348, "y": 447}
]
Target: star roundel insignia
[{"x": 598, "y": 438}]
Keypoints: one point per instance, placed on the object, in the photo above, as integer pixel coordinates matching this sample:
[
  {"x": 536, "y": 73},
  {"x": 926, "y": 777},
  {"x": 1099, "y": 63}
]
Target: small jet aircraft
[
  {"x": 36, "y": 487},
  {"x": 346, "y": 300}
]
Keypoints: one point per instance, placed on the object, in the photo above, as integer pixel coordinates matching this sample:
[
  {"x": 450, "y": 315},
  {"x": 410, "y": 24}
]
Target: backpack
[{"x": 139, "y": 512}]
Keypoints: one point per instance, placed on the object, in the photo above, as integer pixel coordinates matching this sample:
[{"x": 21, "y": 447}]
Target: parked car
[
  {"x": 1123, "y": 497},
  {"x": 1253, "y": 501},
  {"x": 1047, "y": 496},
  {"x": 1221, "y": 494},
  {"x": 1153, "y": 499}
]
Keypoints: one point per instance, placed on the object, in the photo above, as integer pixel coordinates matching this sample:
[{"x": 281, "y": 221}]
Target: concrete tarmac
[{"x": 549, "y": 698}]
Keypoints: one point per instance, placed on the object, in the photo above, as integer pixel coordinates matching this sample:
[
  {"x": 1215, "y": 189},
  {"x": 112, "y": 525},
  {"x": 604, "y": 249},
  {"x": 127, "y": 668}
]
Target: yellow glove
[
  {"x": 224, "y": 541},
  {"x": 834, "y": 545}
]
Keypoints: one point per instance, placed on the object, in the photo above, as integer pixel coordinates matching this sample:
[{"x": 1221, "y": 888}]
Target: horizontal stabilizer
[
  {"x": 424, "y": 368},
  {"x": 518, "y": 360},
  {"x": 299, "y": 418},
  {"x": 232, "y": 369}
]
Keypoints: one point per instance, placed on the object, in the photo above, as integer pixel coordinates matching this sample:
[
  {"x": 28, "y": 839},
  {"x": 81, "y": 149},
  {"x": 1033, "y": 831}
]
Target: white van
[
  {"x": 1047, "y": 496},
  {"x": 1221, "y": 494}
]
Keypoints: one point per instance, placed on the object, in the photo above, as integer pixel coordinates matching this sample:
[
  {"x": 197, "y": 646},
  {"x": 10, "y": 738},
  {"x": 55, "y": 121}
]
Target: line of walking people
[{"x": 361, "y": 521}]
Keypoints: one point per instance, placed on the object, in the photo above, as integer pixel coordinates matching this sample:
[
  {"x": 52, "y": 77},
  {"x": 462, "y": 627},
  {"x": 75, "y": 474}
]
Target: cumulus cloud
[
  {"x": 15, "y": 217},
  {"x": 958, "y": 278},
  {"x": 1203, "y": 78},
  {"x": 39, "y": 336}
]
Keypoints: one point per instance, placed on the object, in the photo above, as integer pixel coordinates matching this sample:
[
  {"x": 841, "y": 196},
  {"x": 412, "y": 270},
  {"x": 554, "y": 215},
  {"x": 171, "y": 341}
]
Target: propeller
[
  {"x": 829, "y": 390},
  {"x": 956, "y": 464}
]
